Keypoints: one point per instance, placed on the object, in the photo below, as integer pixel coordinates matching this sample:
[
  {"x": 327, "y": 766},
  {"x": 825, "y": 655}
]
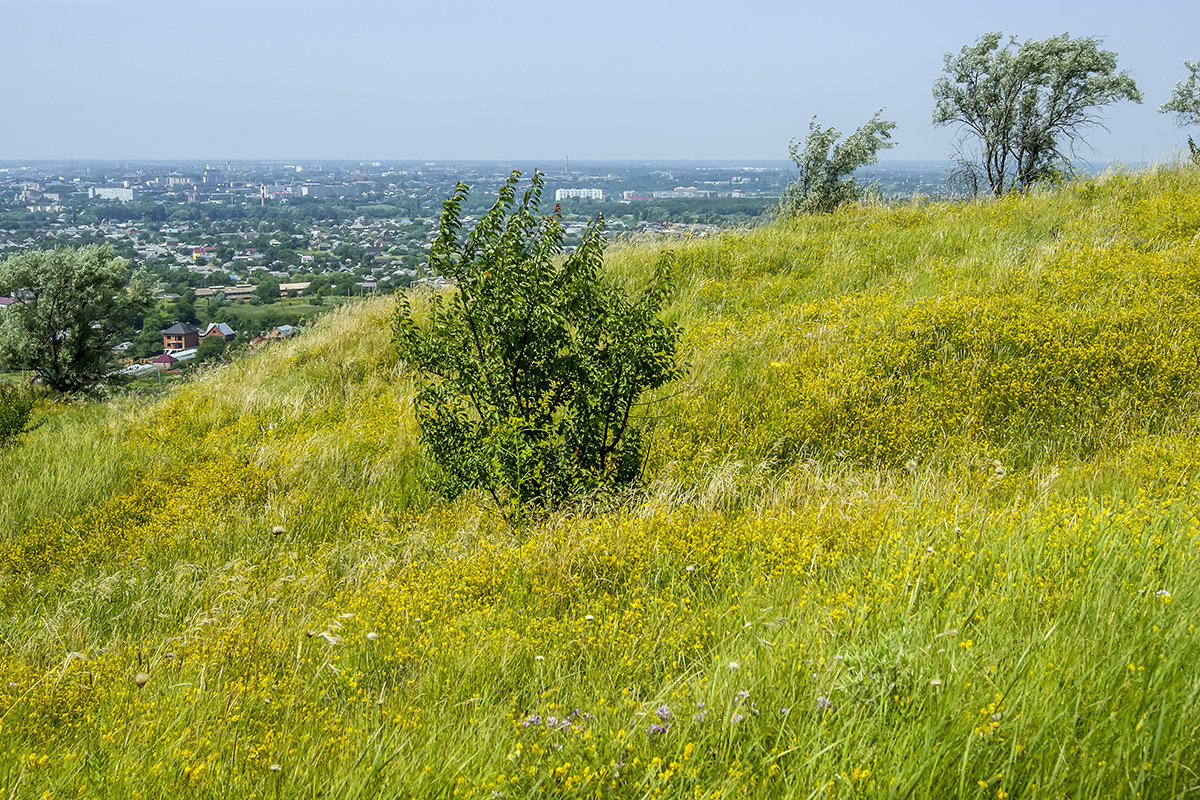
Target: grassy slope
[{"x": 920, "y": 522}]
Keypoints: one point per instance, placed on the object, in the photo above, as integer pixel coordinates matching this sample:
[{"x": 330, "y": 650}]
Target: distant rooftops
[{"x": 221, "y": 328}]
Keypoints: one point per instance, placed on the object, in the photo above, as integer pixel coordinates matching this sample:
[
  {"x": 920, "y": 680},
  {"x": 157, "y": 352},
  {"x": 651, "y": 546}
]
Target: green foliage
[
  {"x": 73, "y": 305},
  {"x": 16, "y": 404},
  {"x": 1185, "y": 105},
  {"x": 1185, "y": 100},
  {"x": 254, "y": 319},
  {"x": 1021, "y": 114},
  {"x": 533, "y": 364},
  {"x": 826, "y": 165},
  {"x": 267, "y": 291},
  {"x": 211, "y": 348}
]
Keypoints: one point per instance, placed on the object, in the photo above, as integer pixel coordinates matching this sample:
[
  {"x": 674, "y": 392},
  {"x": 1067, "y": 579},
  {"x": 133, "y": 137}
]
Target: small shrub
[
  {"x": 533, "y": 363},
  {"x": 16, "y": 404}
]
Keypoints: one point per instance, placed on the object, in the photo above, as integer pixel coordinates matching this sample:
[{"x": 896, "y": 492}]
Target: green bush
[
  {"x": 532, "y": 364},
  {"x": 16, "y": 404}
]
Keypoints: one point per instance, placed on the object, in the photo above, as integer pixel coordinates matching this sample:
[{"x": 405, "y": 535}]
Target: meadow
[{"x": 920, "y": 521}]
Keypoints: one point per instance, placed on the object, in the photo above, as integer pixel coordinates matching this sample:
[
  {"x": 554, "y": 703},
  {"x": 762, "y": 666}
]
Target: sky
[{"x": 531, "y": 79}]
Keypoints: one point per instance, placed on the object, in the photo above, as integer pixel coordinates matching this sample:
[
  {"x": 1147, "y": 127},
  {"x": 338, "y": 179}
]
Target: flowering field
[{"x": 921, "y": 521}]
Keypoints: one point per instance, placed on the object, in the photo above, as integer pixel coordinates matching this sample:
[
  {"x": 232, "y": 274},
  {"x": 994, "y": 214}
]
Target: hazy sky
[{"x": 527, "y": 79}]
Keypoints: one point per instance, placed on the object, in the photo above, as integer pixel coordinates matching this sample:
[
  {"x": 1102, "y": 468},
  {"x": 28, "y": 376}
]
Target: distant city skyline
[{"x": 530, "y": 81}]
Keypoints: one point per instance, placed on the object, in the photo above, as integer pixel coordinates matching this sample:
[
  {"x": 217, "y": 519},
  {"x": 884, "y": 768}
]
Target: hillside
[{"x": 919, "y": 522}]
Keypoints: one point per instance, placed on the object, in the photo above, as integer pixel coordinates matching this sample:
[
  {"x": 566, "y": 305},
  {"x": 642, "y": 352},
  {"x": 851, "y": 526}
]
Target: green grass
[
  {"x": 929, "y": 485},
  {"x": 289, "y": 311}
]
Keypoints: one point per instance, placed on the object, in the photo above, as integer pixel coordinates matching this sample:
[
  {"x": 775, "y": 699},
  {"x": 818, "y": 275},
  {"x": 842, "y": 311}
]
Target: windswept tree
[
  {"x": 71, "y": 306},
  {"x": 1185, "y": 104},
  {"x": 1023, "y": 111},
  {"x": 826, "y": 165}
]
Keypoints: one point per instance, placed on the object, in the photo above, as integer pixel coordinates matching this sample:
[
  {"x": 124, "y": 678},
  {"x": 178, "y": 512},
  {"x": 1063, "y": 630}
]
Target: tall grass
[{"x": 920, "y": 522}]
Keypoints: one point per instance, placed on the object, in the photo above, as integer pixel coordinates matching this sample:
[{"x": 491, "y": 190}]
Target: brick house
[
  {"x": 219, "y": 329},
  {"x": 180, "y": 336}
]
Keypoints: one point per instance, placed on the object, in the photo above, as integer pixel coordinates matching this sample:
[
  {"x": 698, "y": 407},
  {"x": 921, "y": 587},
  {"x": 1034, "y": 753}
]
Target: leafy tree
[
  {"x": 532, "y": 364},
  {"x": 1185, "y": 104},
  {"x": 826, "y": 165},
  {"x": 212, "y": 304},
  {"x": 185, "y": 306},
  {"x": 211, "y": 349},
  {"x": 149, "y": 340},
  {"x": 1185, "y": 100},
  {"x": 1022, "y": 114},
  {"x": 71, "y": 306},
  {"x": 267, "y": 291}
]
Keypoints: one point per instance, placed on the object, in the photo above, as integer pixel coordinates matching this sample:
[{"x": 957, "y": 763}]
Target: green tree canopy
[
  {"x": 1185, "y": 104},
  {"x": 211, "y": 349},
  {"x": 71, "y": 306},
  {"x": 531, "y": 365},
  {"x": 826, "y": 165},
  {"x": 1185, "y": 100},
  {"x": 1023, "y": 113},
  {"x": 267, "y": 290}
]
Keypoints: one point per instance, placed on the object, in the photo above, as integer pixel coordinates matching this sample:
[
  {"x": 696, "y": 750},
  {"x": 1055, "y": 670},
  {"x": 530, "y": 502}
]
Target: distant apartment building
[
  {"x": 685, "y": 191},
  {"x": 317, "y": 190},
  {"x": 124, "y": 194},
  {"x": 586, "y": 194}
]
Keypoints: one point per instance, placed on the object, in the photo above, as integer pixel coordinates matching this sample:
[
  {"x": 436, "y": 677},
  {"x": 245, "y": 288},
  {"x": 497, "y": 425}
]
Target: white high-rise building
[
  {"x": 125, "y": 194},
  {"x": 587, "y": 194}
]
